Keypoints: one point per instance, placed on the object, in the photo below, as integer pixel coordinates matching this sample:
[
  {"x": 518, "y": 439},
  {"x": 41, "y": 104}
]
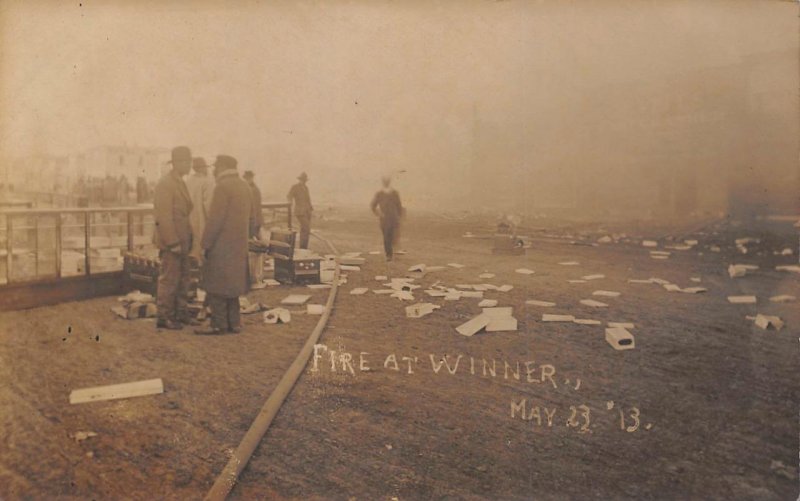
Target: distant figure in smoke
[
  {"x": 386, "y": 205},
  {"x": 201, "y": 186},
  {"x": 255, "y": 259},
  {"x": 302, "y": 207}
]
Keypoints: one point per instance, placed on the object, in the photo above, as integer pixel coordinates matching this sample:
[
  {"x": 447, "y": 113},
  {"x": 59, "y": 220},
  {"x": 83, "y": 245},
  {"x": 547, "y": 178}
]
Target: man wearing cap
[
  {"x": 172, "y": 206},
  {"x": 224, "y": 243},
  {"x": 302, "y": 208},
  {"x": 201, "y": 186}
]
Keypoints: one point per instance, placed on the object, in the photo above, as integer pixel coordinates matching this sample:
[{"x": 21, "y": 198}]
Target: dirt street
[{"x": 705, "y": 406}]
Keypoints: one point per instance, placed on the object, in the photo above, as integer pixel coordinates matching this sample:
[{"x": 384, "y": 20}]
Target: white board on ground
[
  {"x": 116, "y": 391},
  {"x": 592, "y": 303},
  {"x": 742, "y": 299},
  {"x": 295, "y": 299},
  {"x": 474, "y": 325},
  {"x": 543, "y": 304}
]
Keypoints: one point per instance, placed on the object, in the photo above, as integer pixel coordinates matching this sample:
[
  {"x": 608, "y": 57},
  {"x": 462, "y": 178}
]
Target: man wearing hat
[
  {"x": 256, "y": 197},
  {"x": 302, "y": 208},
  {"x": 225, "y": 247},
  {"x": 172, "y": 206},
  {"x": 201, "y": 186}
]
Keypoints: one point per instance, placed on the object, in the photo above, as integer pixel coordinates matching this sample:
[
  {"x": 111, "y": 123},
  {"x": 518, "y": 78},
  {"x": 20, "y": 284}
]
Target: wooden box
[{"x": 140, "y": 273}]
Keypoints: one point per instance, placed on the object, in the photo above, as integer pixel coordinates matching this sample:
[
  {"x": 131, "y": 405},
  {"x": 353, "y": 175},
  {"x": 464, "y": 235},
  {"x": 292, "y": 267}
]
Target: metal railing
[{"x": 48, "y": 245}]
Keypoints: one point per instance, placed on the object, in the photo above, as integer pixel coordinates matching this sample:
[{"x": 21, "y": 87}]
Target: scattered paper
[
  {"x": 544, "y": 304},
  {"x": 792, "y": 268},
  {"x": 524, "y": 271},
  {"x": 557, "y": 318},
  {"x": 381, "y": 278},
  {"x": 577, "y": 281},
  {"x": 742, "y": 299},
  {"x": 767, "y": 321},
  {"x": 80, "y": 436},
  {"x": 486, "y": 275},
  {"x": 474, "y": 325},
  {"x": 359, "y": 291},
  {"x": 649, "y": 243},
  {"x": 619, "y": 338},
  {"x": 783, "y": 298},
  {"x": 315, "y": 309},
  {"x": 419, "y": 310},
  {"x": 295, "y": 299},
  {"x": 345, "y": 267},
  {"x": 593, "y": 277},
  {"x": 592, "y": 303},
  {"x": 605, "y": 293},
  {"x": 569, "y": 263},
  {"x": 277, "y": 315},
  {"x": 624, "y": 325},
  {"x": 417, "y": 267},
  {"x": 488, "y": 303},
  {"x": 455, "y": 265},
  {"x": 584, "y": 321},
  {"x": 504, "y": 288}
]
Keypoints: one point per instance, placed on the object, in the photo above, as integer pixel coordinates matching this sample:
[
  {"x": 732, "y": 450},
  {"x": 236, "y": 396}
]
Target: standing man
[
  {"x": 302, "y": 207},
  {"x": 201, "y": 187},
  {"x": 255, "y": 195},
  {"x": 255, "y": 260},
  {"x": 386, "y": 205},
  {"x": 173, "y": 237},
  {"x": 225, "y": 247}
]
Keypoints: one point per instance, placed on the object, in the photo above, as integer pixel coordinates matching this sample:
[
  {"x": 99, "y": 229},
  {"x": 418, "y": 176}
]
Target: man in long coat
[
  {"x": 387, "y": 206},
  {"x": 302, "y": 207},
  {"x": 173, "y": 237},
  {"x": 225, "y": 275},
  {"x": 201, "y": 186}
]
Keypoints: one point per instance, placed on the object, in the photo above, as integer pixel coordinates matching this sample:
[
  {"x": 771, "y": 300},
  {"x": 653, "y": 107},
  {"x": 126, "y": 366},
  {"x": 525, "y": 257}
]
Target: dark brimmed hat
[
  {"x": 303, "y": 176},
  {"x": 248, "y": 174},
  {"x": 199, "y": 163},
  {"x": 225, "y": 162},
  {"x": 181, "y": 153}
]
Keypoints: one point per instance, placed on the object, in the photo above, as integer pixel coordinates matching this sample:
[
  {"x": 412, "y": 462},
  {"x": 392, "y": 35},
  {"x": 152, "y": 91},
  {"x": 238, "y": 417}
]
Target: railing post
[
  {"x": 130, "y": 230},
  {"x": 289, "y": 211},
  {"x": 9, "y": 255},
  {"x": 36, "y": 246},
  {"x": 58, "y": 245},
  {"x": 87, "y": 238}
]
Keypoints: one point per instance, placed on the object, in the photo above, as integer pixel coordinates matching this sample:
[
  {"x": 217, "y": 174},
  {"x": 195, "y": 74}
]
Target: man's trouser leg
[
  {"x": 219, "y": 311},
  {"x": 388, "y": 237},
  {"x": 182, "y": 292},
  {"x": 305, "y": 229},
  {"x": 169, "y": 278},
  {"x": 234, "y": 320}
]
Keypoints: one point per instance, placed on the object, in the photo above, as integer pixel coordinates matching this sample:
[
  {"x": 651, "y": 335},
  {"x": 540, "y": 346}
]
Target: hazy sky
[{"x": 339, "y": 86}]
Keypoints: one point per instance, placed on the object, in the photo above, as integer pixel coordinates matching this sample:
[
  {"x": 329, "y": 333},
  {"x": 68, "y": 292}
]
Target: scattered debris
[
  {"x": 455, "y": 265},
  {"x": 358, "y": 291},
  {"x": 557, "y": 318},
  {"x": 488, "y": 303},
  {"x": 403, "y": 295},
  {"x": 569, "y": 263},
  {"x": 592, "y": 303},
  {"x": 352, "y": 260},
  {"x": 740, "y": 270},
  {"x": 486, "y": 275},
  {"x": 639, "y": 281},
  {"x": 792, "y": 268},
  {"x": 577, "y": 281},
  {"x": 137, "y": 297},
  {"x": 417, "y": 267},
  {"x": 619, "y": 338},
  {"x": 277, "y": 315},
  {"x": 583, "y": 321},
  {"x": 295, "y": 299},
  {"x": 474, "y": 325},
  {"x": 319, "y": 286},
  {"x": 767, "y": 321},
  {"x": 649, "y": 243},
  {"x": 383, "y": 291},
  {"x": 80, "y": 436},
  {"x": 742, "y": 299},
  {"x": 604, "y": 240},
  {"x": 544, "y": 304},
  {"x": 524, "y": 271},
  {"x": 504, "y": 288},
  {"x": 501, "y": 319},
  {"x": 696, "y": 280},
  {"x": 783, "y": 298},
  {"x": 623, "y": 325},
  {"x": 246, "y": 307},
  {"x": 116, "y": 391},
  {"x": 606, "y": 293},
  {"x": 315, "y": 309},
  {"x": 345, "y": 267},
  {"x": 419, "y": 310},
  {"x": 381, "y": 278},
  {"x": 592, "y": 277}
]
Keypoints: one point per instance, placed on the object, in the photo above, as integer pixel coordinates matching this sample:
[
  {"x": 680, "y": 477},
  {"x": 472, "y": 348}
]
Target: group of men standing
[{"x": 206, "y": 222}]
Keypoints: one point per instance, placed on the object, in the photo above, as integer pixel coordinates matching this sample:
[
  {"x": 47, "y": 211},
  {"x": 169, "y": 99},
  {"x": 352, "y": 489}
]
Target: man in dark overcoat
[
  {"x": 302, "y": 207},
  {"x": 173, "y": 237},
  {"x": 225, "y": 274}
]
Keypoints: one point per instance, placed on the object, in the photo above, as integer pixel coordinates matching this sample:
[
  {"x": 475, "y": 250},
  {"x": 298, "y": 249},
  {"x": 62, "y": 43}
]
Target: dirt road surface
[{"x": 705, "y": 406}]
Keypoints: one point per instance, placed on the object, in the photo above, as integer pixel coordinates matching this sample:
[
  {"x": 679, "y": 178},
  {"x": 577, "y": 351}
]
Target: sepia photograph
[{"x": 399, "y": 250}]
